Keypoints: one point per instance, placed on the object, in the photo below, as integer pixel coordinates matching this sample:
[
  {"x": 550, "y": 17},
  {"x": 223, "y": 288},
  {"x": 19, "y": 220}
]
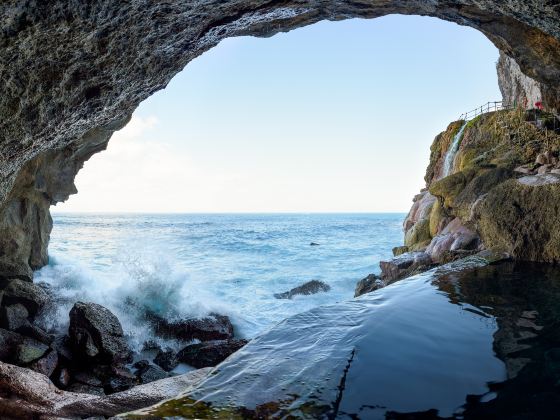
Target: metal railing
[{"x": 487, "y": 107}]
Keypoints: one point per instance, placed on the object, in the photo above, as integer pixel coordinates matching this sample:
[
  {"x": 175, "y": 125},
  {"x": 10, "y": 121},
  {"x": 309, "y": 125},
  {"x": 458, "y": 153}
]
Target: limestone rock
[
  {"x": 455, "y": 236},
  {"x": 520, "y": 217},
  {"x": 310, "y": 288},
  {"x": 210, "y": 353},
  {"x": 95, "y": 333}
]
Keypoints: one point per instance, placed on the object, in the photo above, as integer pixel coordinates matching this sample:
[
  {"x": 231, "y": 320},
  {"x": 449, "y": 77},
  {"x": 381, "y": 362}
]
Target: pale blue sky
[{"x": 337, "y": 116}]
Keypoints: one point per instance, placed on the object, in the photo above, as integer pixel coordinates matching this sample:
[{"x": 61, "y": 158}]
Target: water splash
[{"x": 449, "y": 161}]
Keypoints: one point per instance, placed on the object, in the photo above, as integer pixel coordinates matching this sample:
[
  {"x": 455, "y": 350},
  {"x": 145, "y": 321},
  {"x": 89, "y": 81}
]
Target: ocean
[{"x": 190, "y": 265}]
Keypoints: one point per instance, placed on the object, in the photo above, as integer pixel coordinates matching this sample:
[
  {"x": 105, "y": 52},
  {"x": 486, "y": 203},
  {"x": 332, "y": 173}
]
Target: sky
[{"x": 333, "y": 117}]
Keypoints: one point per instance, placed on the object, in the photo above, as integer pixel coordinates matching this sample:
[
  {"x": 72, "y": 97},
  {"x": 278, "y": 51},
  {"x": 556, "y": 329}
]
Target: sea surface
[{"x": 190, "y": 265}]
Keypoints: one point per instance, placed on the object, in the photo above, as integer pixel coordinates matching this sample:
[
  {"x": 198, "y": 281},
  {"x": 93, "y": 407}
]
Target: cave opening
[{"x": 216, "y": 188}]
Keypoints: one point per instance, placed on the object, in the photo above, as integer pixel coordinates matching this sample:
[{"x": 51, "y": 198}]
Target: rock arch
[{"x": 73, "y": 72}]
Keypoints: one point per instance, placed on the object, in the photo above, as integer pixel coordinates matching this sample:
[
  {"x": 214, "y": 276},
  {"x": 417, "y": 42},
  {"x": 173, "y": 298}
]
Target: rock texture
[
  {"x": 25, "y": 394},
  {"x": 73, "y": 73},
  {"x": 310, "y": 288}
]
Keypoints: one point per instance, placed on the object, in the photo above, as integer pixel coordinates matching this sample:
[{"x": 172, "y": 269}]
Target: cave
[{"x": 73, "y": 74}]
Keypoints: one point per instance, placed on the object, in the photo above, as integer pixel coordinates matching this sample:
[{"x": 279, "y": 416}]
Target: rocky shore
[
  {"x": 500, "y": 197},
  {"x": 93, "y": 357}
]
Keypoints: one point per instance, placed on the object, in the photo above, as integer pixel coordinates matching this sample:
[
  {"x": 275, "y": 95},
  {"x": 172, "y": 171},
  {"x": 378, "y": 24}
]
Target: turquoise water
[{"x": 191, "y": 265}]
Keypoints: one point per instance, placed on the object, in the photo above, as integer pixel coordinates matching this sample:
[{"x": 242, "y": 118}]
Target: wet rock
[
  {"x": 212, "y": 327},
  {"x": 166, "y": 359},
  {"x": 314, "y": 244},
  {"x": 210, "y": 353},
  {"x": 13, "y": 316},
  {"x": 46, "y": 365},
  {"x": 95, "y": 333},
  {"x": 62, "y": 345},
  {"x": 369, "y": 284},
  {"x": 146, "y": 372},
  {"x": 405, "y": 265},
  {"x": 310, "y": 288},
  {"x": 28, "y": 294}
]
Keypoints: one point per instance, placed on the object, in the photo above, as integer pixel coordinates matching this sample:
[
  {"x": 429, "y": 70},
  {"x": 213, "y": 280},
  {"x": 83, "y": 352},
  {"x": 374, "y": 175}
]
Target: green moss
[{"x": 418, "y": 233}]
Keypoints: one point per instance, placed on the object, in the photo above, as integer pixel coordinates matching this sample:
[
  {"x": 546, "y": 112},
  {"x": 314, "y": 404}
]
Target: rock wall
[
  {"x": 72, "y": 72},
  {"x": 502, "y": 195}
]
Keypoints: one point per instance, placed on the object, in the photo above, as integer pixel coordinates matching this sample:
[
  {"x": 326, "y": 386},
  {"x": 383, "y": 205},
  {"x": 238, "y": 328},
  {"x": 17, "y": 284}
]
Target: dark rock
[
  {"x": 141, "y": 364},
  {"x": 309, "y": 288},
  {"x": 28, "y": 351},
  {"x": 63, "y": 377},
  {"x": 85, "y": 389},
  {"x": 36, "y": 333},
  {"x": 121, "y": 380},
  {"x": 62, "y": 345},
  {"x": 19, "y": 350},
  {"x": 369, "y": 284},
  {"x": 13, "y": 316},
  {"x": 166, "y": 359},
  {"x": 87, "y": 378},
  {"x": 314, "y": 244},
  {"x": 404, "y": 265},
  {"x": 47, "y": 364},
  {"x": 213, "y": 327},
  {"x": 147, "y": 372},
  {"x": 95, "y": 333},
  {"x": 151, "y": 345},
  {"x": 210, "y": 353},
  {"x": 28, "y": 294}
]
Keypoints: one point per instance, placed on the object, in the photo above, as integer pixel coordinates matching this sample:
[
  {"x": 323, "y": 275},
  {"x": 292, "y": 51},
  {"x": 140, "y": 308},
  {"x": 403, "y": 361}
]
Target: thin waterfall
[{"x": 449, "y": 161}]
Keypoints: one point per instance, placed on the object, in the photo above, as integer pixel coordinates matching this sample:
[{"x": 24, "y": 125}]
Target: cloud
[{"x": 143, "y": 173}]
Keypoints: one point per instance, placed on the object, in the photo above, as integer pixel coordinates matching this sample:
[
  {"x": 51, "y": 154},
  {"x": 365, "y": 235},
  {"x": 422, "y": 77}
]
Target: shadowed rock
[
  {"x": 309, "y": 288},
  {"x": 212, "y": 327},
  {"x": 95, "y": 333},
  {"x": 369, "y": 284},
  {"x": 209, "y": 354}
]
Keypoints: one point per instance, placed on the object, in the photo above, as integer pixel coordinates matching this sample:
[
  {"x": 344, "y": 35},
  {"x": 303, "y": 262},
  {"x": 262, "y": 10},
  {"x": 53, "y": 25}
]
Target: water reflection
[{"x": 470, "y": 341}]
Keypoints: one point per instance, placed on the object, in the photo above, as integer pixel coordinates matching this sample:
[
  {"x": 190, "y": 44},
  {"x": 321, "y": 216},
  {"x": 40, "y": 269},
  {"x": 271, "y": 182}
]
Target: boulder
[
  {"x": 310, "y": 288},
  {"x": 47, "y": 364},
  {"x": 404, "y": 265},
  {"x": 146, "y": 372},
  {"x": 63, "y": 378},
  {"x": 19, "y": 350},
  {"x": 167, "y": 359},
  {"x": 35, "y": 332},
  {"x": 210, "y": 353},
  {"x": 95, "y": 333},
  {"x": 369, "y": 284},
  {"x": 212, "y": 327},
  {"x": 28, "y": 294},
  {"x": 13, "y": 317}
]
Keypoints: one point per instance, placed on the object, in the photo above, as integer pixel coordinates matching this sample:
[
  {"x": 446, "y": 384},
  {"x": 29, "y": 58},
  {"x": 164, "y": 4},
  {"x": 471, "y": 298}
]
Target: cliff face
[
  {"x": 72, "y": 72},
  {"x": 502, "y": 193}
]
